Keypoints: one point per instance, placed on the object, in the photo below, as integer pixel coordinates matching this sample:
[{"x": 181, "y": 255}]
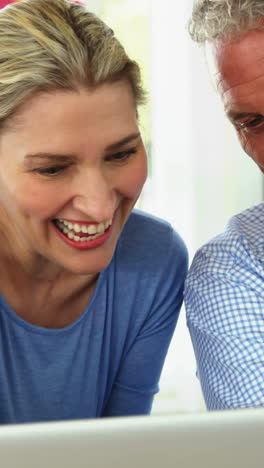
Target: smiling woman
[
  {"x": 93, "y": 143},
  {"x": 90, "y": 288}
]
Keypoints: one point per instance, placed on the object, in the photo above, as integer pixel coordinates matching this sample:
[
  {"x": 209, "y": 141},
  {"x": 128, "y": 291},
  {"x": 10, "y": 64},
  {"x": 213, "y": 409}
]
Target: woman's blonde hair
[
  {"x": 55, "y": 44},
  {"x": 212, "y": 19}
]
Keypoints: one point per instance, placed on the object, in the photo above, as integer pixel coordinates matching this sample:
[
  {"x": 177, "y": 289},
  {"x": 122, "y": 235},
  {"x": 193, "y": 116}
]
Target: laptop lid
[{"x": 205, "y": 440}]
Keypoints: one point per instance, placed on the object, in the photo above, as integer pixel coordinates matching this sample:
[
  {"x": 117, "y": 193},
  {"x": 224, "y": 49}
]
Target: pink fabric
[{"x": 4, "y": 3}]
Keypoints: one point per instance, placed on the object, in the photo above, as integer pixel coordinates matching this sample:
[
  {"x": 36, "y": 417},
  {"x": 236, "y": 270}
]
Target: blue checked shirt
[{"x": 224, "y": 297}]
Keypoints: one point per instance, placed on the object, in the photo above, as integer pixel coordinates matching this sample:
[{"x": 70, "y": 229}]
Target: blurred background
[{"x": 198, "y": 174}]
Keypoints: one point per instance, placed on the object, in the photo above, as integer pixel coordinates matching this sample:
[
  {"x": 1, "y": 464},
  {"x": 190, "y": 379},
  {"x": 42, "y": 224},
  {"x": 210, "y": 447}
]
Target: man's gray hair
[{"x": 213, "y": 19}]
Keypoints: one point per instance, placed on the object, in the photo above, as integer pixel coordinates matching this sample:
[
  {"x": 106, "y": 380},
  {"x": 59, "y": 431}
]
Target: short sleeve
[{"x": 139, "y": 373}]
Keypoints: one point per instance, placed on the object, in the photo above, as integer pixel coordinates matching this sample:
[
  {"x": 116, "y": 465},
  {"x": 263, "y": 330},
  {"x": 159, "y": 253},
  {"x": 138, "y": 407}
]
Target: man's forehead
[{"x": 237, "y": 59}]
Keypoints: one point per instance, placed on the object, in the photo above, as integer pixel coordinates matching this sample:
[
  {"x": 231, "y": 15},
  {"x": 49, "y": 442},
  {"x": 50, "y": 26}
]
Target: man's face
[{"x": 237, "y": 67}]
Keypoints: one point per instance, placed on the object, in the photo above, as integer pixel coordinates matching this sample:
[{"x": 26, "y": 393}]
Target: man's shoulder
[
  {"x": 245, "y": 228},
  {"x": 248, "y": 223},
  {"x": 240, "y": 245}
]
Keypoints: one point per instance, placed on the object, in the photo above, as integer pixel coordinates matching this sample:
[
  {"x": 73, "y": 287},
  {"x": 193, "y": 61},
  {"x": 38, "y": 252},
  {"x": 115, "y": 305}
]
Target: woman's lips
[{"x": 75, "y": 234}]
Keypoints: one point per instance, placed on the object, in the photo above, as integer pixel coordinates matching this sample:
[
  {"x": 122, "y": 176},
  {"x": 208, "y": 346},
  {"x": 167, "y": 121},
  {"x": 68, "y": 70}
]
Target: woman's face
[{"x": 72, "y": 165}]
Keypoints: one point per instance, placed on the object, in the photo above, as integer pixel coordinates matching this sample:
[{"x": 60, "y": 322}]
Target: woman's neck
[{"x": 46, "y": 297}]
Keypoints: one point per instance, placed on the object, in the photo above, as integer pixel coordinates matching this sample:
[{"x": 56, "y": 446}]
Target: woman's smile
[{"x": 83, "y": 235}]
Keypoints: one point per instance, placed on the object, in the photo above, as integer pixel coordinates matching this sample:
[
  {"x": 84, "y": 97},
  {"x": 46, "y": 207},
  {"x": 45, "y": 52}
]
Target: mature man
[{"x": 224, "y": 292}]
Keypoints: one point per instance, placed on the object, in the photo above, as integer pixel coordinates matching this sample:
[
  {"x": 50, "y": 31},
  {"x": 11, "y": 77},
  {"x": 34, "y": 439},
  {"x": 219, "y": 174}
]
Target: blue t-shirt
[{"x": 108, "y": 362}]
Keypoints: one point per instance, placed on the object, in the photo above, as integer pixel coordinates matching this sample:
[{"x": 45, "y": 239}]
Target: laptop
[{"x": 224, "y": 439}]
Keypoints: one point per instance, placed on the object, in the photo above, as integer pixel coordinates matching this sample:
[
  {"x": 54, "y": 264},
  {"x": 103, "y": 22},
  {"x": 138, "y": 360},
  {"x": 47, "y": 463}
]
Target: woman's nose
[{"x": 95, "y": 195}]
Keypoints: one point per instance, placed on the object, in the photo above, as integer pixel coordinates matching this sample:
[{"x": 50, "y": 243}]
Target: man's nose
[{"x": 95, "y": 195}]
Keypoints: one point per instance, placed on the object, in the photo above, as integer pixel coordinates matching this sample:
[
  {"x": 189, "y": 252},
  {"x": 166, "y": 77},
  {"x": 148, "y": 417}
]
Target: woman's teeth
[{"x": 71, "y": 230}]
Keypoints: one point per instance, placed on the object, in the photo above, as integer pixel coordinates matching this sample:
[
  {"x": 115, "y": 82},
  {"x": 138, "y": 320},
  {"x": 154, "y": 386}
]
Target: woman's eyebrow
[
  {"x": 123, "y": 141},
  {"x": 53, "y": 156},
  {"x": 66, "y": 157}
]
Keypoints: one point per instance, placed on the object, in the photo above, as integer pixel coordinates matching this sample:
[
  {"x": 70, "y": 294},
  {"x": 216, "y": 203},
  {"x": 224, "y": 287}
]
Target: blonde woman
[{"x": 90, "y": 290}]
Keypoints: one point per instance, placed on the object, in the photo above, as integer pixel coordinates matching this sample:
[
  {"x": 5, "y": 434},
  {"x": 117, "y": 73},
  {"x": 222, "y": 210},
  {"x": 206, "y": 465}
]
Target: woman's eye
[
  {"x": 122, "y": 155},
  {"x": 50, "y": 171}
]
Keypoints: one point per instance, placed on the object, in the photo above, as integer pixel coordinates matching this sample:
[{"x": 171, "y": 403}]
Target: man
[{"x": 224, "y": 291}]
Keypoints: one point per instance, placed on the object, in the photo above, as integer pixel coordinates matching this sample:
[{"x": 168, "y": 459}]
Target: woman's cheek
[
  {"x": 40, "y": 202},
  {"x": 137, "y": 177}
]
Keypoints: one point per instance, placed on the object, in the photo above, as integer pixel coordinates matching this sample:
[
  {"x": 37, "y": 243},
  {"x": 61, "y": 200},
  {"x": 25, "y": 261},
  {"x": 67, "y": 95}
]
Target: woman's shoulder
[
  {"x": 150, "y": 261},
  {"x": 150, "y": 236},
  {"x": 141, "y": 221}
]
